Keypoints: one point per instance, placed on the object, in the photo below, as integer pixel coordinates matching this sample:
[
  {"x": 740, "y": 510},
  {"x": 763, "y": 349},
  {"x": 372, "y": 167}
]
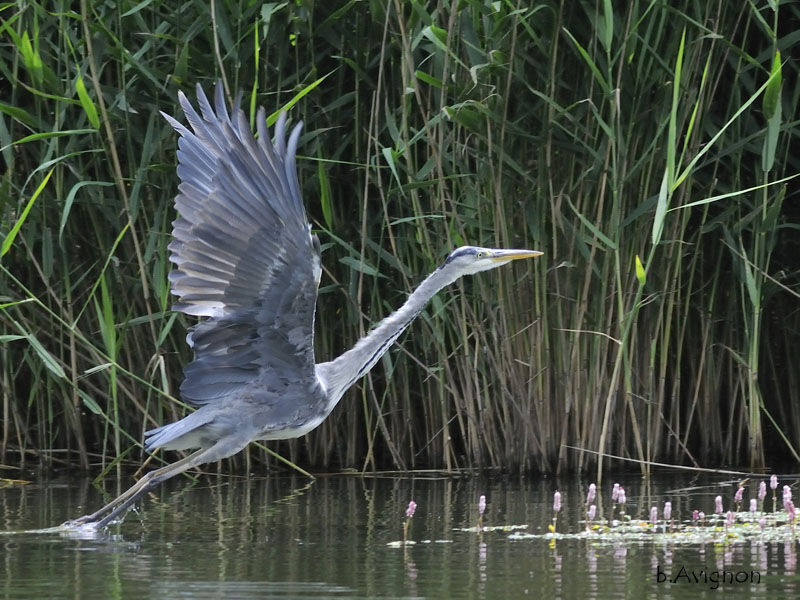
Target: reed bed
[{"x": 645, "y": 148}]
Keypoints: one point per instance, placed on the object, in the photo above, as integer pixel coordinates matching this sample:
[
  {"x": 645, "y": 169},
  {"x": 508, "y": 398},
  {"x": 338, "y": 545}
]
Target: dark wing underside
[{"x": 244, "y": 253}]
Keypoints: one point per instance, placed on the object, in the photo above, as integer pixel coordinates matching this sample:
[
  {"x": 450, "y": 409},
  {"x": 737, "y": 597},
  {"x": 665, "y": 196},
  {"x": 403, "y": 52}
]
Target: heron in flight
[{"x": 246, "y": 260}]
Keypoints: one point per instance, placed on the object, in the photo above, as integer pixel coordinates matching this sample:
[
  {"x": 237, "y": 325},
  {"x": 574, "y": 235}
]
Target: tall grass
[{"x": 644, "y": 148}]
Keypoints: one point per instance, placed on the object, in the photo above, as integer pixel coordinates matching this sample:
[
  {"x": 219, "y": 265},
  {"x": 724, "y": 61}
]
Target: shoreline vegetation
[{"x": 644, "y": 148}]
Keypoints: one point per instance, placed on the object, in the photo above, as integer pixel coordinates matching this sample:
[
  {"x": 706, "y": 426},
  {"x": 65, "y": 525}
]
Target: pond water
[{"x": 341, "y": 537}]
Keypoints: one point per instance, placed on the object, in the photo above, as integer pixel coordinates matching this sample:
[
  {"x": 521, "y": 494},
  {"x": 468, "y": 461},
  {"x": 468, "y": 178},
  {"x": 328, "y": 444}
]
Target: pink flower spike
[
  {"x": 789, "y": 506},
  {"x": 621, "y": 498},
  {"x": 695, "y": 515},
  {"x": 653, "y": 515},
  {"x": 481, "y": 505},
  {"x": 753, "y": 505},
  {"x": 737, "y": 497},
  {"x": 412, "y": 507},
  {"x": 718, "y": 505},
  {"x": 592, "y": 493},
  {"x": 773, "y": 481},
  {"x": 762, "y": 522},
  {"x": 762, "y": 491},
  {"x": 729, "y": 519},
  {"x": 667, "y": 511},
  {"x": 702, "y": 516},
  {"x": 787, "y": 493},
  {"x": 592, "y": 512},
  {"x": 615, "y": 493},
  {"x": 557, "y": 502}
]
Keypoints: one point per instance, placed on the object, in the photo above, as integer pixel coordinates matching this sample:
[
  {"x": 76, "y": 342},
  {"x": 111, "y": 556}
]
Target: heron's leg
[{"x": 148, "y": 481}]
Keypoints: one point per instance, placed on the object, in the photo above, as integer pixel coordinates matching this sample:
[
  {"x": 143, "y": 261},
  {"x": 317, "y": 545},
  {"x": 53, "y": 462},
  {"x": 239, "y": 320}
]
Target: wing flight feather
[{"x": 244, "y": 255}]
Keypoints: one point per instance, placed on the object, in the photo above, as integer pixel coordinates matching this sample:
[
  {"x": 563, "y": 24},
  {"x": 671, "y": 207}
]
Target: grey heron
[{"x": 247, "y": 262}]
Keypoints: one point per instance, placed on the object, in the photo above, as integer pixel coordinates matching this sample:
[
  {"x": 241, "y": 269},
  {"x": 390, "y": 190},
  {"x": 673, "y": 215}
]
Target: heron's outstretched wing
[{"x": 243, "y": 249}]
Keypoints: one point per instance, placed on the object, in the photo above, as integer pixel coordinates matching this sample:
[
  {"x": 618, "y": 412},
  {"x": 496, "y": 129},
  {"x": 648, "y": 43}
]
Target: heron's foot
[
  {"x": 114, "y": 511},
  {"x": 96, "y": 520},
  {"x": 79, "y": 522}
]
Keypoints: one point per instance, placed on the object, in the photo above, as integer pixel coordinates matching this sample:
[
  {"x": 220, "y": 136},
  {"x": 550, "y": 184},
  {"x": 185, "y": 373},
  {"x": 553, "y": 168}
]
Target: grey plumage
[{"x": 247, "y": 263}]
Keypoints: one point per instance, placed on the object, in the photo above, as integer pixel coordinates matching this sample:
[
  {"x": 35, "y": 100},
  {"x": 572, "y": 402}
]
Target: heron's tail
[{"x": 190, "y": 432}]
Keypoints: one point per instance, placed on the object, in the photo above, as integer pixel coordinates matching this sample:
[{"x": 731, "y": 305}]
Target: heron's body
[{"x": 247, "y": 262}]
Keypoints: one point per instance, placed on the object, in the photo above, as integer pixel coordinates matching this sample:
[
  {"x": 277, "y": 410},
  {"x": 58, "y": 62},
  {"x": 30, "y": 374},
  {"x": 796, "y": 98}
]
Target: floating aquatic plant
[
  {"x": 556, "y": 510},
  {"x": 790, "y": 510},
  {"x": 590, "y": 515},
  {"x": 614, "y": 500},
  {"x": 773, "y": 483},
  {"x": 737, "y": 497},
  {"x": 668, "y": 514},
  {"x": 731, "y": 526},
  {"x": 730, "y": 518},
  {"x": 491, "y": 528},
  {"x": 591, "y": 508},
  {"x": 412, "y": 508}
]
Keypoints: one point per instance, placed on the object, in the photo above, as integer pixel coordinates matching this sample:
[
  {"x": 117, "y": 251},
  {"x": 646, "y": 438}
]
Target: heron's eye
[{"x": 481, "y": 254}]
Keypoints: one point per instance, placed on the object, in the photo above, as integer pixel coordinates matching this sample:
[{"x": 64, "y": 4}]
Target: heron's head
[{"x": 467, "y": 260}]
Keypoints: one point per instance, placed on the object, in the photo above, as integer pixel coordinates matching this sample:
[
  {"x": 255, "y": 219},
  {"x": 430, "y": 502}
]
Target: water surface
[{"x": 336, "y": 537}]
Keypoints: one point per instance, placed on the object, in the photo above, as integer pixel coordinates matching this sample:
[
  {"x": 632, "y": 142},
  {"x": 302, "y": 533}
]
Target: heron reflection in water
[{"x": 247, "y": 262}]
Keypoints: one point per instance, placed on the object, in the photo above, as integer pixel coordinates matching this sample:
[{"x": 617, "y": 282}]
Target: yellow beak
[{"x": 505, "y": 255}]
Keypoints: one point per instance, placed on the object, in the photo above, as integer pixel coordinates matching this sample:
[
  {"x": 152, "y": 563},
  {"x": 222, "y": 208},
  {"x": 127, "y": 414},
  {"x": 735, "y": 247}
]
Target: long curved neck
[{"x": 339, "y": 374}]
